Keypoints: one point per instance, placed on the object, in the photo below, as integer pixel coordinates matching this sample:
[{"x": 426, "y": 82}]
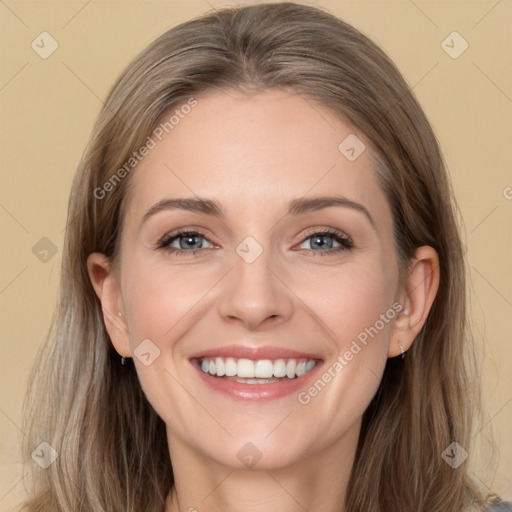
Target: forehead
[{"x": 253, "y": 151}]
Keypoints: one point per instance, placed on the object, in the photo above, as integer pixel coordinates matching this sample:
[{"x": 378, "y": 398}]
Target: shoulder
[{"x": 504, "y": 506}]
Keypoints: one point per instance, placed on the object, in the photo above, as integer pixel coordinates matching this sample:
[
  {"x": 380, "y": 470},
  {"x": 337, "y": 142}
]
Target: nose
[{"x": 255, "y": 294}]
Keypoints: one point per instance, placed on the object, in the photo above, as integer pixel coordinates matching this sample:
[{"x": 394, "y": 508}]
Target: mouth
[{"x": 246, "y": 378}]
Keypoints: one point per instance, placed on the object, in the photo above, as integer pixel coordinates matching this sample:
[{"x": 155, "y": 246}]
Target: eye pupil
[
  {"x": 315, "y": 241},
  {"x": 189, "y": 241}
]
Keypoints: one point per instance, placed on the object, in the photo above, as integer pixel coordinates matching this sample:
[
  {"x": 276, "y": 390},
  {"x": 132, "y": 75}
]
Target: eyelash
[{"x": 344, "y": 241}]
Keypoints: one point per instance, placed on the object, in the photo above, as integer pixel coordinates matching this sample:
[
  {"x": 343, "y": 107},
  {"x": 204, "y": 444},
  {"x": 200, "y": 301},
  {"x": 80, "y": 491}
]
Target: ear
[
  {"x": 420, "y": 289},
  {"x": 106, "y": 286}
]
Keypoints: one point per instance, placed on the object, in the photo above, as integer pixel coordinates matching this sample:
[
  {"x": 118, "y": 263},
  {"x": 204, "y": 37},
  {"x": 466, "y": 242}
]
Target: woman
[{"x": 262, "y": 302}]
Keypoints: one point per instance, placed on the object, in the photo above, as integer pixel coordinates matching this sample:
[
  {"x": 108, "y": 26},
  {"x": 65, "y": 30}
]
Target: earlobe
[
  {"x": 418, "y": 296},
  {"x": 107, "y": 289}
]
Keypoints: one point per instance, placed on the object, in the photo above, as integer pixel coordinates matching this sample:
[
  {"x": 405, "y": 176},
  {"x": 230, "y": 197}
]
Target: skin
[{"x": 254, "y": 154}]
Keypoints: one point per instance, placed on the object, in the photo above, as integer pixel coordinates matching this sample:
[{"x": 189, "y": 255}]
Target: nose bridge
[{"x": 254, "y": 293}]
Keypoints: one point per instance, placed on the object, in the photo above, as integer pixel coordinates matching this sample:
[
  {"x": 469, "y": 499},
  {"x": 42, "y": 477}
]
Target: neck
[{"x": 315, "y": 484}]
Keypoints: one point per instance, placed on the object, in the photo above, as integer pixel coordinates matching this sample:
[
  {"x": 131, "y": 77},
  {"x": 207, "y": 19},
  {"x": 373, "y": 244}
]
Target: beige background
[{"x": 48, "y": 107}]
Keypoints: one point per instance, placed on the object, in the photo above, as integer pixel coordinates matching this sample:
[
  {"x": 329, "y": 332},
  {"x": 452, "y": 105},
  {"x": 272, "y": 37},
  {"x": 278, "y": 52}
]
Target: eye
[
  {"x": 189, "y": 242},
  {"x": 324, "y": 241}
]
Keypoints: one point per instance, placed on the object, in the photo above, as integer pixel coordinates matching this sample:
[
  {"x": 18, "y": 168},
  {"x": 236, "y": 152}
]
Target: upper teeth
[{"x": 262, "y": 368}]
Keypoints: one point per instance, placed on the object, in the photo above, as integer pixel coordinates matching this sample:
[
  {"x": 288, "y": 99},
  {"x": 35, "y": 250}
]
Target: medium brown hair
[{"x": 113, "y": 453}]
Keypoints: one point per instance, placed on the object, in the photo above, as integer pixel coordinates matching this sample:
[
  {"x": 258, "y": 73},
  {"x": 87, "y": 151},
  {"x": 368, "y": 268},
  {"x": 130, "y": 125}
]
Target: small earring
[{"x": 402, "y": 349}]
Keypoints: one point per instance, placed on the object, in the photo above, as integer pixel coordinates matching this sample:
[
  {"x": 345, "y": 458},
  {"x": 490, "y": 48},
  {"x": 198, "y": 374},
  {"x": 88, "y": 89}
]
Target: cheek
[
  {"x": 357, "y": 308},
  {"x": 351, "y": 300},
  {"x": 158, "y": 298},
  {"x": 162, "y": 302}
]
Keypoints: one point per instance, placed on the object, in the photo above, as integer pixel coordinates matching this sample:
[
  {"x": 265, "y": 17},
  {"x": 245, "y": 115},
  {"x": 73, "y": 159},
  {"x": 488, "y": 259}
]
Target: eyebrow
[{"x": 295, "y": 207}]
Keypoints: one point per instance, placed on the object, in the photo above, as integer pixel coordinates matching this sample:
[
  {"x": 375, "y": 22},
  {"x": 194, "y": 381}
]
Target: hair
[{"x": 112, "y": 446}]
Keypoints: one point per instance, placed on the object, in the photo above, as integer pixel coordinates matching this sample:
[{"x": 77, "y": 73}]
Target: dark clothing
[{"x": 505, "y": 506}]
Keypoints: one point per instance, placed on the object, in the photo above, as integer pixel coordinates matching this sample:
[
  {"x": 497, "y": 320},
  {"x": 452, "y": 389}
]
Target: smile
[
  {"x": 261, "y": 374},
  {"x": 261, "y": 371}
]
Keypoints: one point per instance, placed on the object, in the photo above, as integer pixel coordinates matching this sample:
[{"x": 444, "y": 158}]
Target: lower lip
[{"x": 271, "y": 391}]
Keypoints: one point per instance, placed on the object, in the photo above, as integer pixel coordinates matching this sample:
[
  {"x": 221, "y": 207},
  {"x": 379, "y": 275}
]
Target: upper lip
[{"x": 254, "y": 353}]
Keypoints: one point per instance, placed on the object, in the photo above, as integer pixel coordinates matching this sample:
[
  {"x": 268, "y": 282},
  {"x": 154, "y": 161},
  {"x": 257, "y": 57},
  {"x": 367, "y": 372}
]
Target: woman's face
[{"x": 273, "y": 281}]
